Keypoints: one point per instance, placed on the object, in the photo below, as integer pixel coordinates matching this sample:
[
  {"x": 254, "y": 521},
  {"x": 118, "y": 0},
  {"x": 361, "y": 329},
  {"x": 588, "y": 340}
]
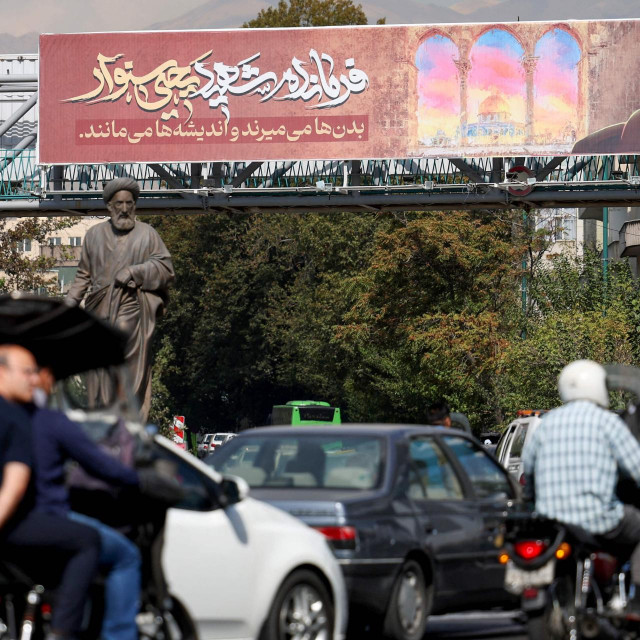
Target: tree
[
  {"x": 19, "y": 271},
  {"x": 310, "y": 13},
  {"x": 435, "y": 308}
]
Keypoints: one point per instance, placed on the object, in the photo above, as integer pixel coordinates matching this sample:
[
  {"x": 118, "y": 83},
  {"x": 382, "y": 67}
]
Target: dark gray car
[{"x": 413, "y": 513}]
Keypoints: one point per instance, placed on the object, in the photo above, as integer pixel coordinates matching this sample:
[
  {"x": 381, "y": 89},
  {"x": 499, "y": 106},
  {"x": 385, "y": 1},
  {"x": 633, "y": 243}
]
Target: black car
[{"x": 414, "y": 514}]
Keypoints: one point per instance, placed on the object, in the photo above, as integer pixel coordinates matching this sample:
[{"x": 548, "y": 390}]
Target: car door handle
[{"x": 429, "y": 529}]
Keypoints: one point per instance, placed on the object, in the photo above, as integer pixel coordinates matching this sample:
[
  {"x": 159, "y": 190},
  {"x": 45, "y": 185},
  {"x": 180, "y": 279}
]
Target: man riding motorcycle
[
  {"x": 574, "y": 459},
  {"x": 24, "y": 531}
]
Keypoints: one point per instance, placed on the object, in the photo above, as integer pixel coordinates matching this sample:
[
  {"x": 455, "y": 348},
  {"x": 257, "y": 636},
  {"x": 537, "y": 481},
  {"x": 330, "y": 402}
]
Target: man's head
[
  {"x": 121, "y": 196},
  {"x": 584, "y": 380},
  {"x": 438, "y": 414},
  {"x": 18, "y": 373}
]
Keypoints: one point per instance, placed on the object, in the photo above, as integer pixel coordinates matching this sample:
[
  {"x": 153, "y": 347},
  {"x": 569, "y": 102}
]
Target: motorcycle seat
[{"x": 591, "y": 542}]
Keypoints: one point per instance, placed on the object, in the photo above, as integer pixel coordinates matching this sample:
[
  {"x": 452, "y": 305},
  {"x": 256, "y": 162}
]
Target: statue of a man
[{"x": 125, "y": 270}]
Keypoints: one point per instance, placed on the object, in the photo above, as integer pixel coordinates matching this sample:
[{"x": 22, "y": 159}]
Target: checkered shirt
[{"x": 574, "y": 457}]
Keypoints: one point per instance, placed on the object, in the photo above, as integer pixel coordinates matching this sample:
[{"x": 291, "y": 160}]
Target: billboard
[{"x": 459, "y": 90}]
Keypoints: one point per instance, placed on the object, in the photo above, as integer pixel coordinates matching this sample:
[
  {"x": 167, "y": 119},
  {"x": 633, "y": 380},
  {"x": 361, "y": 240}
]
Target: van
[{"x": 512, "y": 441}]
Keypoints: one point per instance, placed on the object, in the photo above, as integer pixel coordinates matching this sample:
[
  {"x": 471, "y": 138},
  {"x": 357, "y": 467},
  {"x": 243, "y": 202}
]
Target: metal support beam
[
  {"x": 549, "y": 167},
  {"x": 14, "y": 117},
  {"x": 196, "y": 174},
  {"x": 58, "y": 177},
  {"x": 467, "y": 170},
  {"x": 245, "y": 174},
  {"x": 497, "y": 167}
]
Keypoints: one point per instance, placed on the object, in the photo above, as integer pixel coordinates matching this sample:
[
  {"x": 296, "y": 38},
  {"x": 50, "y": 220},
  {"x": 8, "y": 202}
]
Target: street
[
  {"x": 473, "y": 625},
  {"x": 477, "y": 626}
]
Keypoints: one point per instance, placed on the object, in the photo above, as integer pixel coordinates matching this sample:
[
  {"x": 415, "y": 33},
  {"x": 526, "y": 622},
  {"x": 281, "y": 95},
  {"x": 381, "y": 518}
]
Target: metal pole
[
  {"x": 524, "y": 279},
  {"x": 605, "y": 241}
]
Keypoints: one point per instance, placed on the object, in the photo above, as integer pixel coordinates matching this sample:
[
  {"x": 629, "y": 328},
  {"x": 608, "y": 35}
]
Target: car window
[
  {"x": 518, "y": 440},
  {"x": 197, "y": 486},
  {"x": 502, "y": 444},
  {"x": 336, "y": 462},
  {"x": 432, "y": 477},
  {"x": 488, "y": 479}
]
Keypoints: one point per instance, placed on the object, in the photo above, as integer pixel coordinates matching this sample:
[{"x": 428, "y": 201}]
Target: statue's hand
[{"x": 123, "y": 277}]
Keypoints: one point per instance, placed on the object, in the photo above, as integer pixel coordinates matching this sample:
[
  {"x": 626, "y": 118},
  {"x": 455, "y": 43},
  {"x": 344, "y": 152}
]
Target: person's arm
[
  {"x": 156, "y": 272},
  {"x": 15, "y": 480},
  {"x": 83, "y": 277},
  {"x": 625, "y": 448},
  {"x": 79, "y": 447}
]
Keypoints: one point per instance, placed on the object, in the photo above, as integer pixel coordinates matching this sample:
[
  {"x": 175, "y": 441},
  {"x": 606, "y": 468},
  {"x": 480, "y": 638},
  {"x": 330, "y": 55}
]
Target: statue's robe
[{"x": 133, "y": 308}]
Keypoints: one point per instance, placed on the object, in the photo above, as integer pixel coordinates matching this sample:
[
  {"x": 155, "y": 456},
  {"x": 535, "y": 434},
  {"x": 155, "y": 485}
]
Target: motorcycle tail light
[
  {"x": 530, "y": 549},
  {"x": 604, "y": 567},
  {"x": 339, "y": 537},
  {"x": 563, "y": 551}
]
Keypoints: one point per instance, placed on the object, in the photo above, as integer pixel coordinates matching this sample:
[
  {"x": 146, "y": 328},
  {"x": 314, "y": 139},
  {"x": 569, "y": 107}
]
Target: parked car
[
  {"x": 223, "y": 550},
  {"x": 413, "y": 513},
  {"x": 203, "y": 446},
  {"x": 512, "y": 441},
  {"x": 219, "y": 439}
]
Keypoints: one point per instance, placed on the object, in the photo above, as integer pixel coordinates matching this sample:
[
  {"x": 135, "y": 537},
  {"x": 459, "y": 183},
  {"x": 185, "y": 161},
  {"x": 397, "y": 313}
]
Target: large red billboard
[{"x": 463, "y": 90}]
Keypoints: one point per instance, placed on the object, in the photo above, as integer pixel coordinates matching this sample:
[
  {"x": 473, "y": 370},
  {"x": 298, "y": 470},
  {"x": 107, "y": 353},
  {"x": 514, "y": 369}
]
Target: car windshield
[{"x": 312, "y": 461}]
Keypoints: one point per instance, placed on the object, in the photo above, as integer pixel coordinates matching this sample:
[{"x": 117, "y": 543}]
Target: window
[
  {"x": 432, "y": 476},
  {"x": 518, "y": 440},
  {"x": 76, "y": 241},
  {"x": 323, "y": 462},
  {"x": 489, "y": 480},
  {"x": 24, "y": 245},
  {"x": 55, "y": 241},
  {"x": 561, "y": 224}
]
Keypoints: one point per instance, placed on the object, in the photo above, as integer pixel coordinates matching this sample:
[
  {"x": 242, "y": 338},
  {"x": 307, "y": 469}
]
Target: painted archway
[{"x": 438, "y": 92}]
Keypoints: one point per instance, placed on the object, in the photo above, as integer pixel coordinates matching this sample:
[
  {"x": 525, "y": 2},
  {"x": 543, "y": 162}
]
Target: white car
[
  {"x": 510, "y": 446},
  {"x": 247, "y": 570}
]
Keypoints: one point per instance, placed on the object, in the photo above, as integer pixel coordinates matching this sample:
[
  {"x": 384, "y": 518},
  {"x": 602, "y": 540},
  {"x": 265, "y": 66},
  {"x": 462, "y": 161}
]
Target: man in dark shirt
[
  {"x": 22, "y": 529},
  {"x": 58, "y": 440}
]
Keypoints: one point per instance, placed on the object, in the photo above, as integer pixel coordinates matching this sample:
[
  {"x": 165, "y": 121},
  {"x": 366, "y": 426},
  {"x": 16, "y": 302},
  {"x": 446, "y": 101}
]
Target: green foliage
[
  {"x": 20, "y": 272},
  {"x": 574, "y": 314},
  {"x": 309, "y": 13}
]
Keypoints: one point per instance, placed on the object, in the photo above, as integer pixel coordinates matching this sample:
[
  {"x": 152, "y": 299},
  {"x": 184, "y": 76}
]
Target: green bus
[{"x": 305, "y": 412}]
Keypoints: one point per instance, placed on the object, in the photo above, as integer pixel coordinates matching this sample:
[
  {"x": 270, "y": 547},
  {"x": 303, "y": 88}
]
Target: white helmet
[{"x": 584, "y": 380}]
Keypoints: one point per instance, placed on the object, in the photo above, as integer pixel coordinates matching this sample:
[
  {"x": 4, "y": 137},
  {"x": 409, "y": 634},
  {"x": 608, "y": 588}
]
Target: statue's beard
[{"x": 123, "y": 222}]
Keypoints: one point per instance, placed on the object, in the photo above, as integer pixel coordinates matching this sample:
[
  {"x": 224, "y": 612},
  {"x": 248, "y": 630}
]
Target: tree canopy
[{"x": 310, "y": 13}]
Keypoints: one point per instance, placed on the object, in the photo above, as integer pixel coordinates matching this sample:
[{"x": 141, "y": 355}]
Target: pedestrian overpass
[{"x": 27, "y": 189}]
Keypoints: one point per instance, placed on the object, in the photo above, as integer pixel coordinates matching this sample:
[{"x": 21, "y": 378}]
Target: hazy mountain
[
  {"x": 27, "y": 43},
  {"x": 225, "y": 14},
  {"x": 229, "y": 13}
]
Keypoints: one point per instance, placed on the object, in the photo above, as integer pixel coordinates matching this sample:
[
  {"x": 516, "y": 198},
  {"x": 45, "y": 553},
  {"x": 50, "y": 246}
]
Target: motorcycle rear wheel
[{"x": 558, "y": 618}]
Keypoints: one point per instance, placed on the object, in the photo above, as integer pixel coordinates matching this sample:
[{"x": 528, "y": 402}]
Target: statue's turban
[{"x": 120, "y": 184}]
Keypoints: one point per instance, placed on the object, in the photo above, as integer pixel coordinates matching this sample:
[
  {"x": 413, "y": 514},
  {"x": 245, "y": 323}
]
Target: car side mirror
[{"x": 234, "y": 489}]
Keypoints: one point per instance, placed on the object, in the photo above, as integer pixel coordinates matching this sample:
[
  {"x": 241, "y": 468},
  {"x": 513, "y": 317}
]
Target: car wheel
[
  {"x": 302, "y": 610},
  {"x": 410, "y": 604}
]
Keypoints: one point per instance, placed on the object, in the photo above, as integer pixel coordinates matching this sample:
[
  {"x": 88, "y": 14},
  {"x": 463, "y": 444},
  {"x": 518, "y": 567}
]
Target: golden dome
[{"x": 493, "y": 104}]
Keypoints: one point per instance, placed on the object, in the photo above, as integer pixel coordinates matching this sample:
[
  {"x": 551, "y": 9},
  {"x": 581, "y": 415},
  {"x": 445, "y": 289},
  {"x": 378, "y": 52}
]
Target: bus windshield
[{"x": 305, "y": 412}]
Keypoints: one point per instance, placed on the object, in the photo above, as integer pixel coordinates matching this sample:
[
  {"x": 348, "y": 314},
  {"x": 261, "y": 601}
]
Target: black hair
[{"x": 437, "y": 411}]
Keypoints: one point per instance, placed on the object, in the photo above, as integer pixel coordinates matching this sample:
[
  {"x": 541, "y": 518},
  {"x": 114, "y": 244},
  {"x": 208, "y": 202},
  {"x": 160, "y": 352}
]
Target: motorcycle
[
  {"x": 571, "y": 584},
  {"x": 77, "y": 343}
]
